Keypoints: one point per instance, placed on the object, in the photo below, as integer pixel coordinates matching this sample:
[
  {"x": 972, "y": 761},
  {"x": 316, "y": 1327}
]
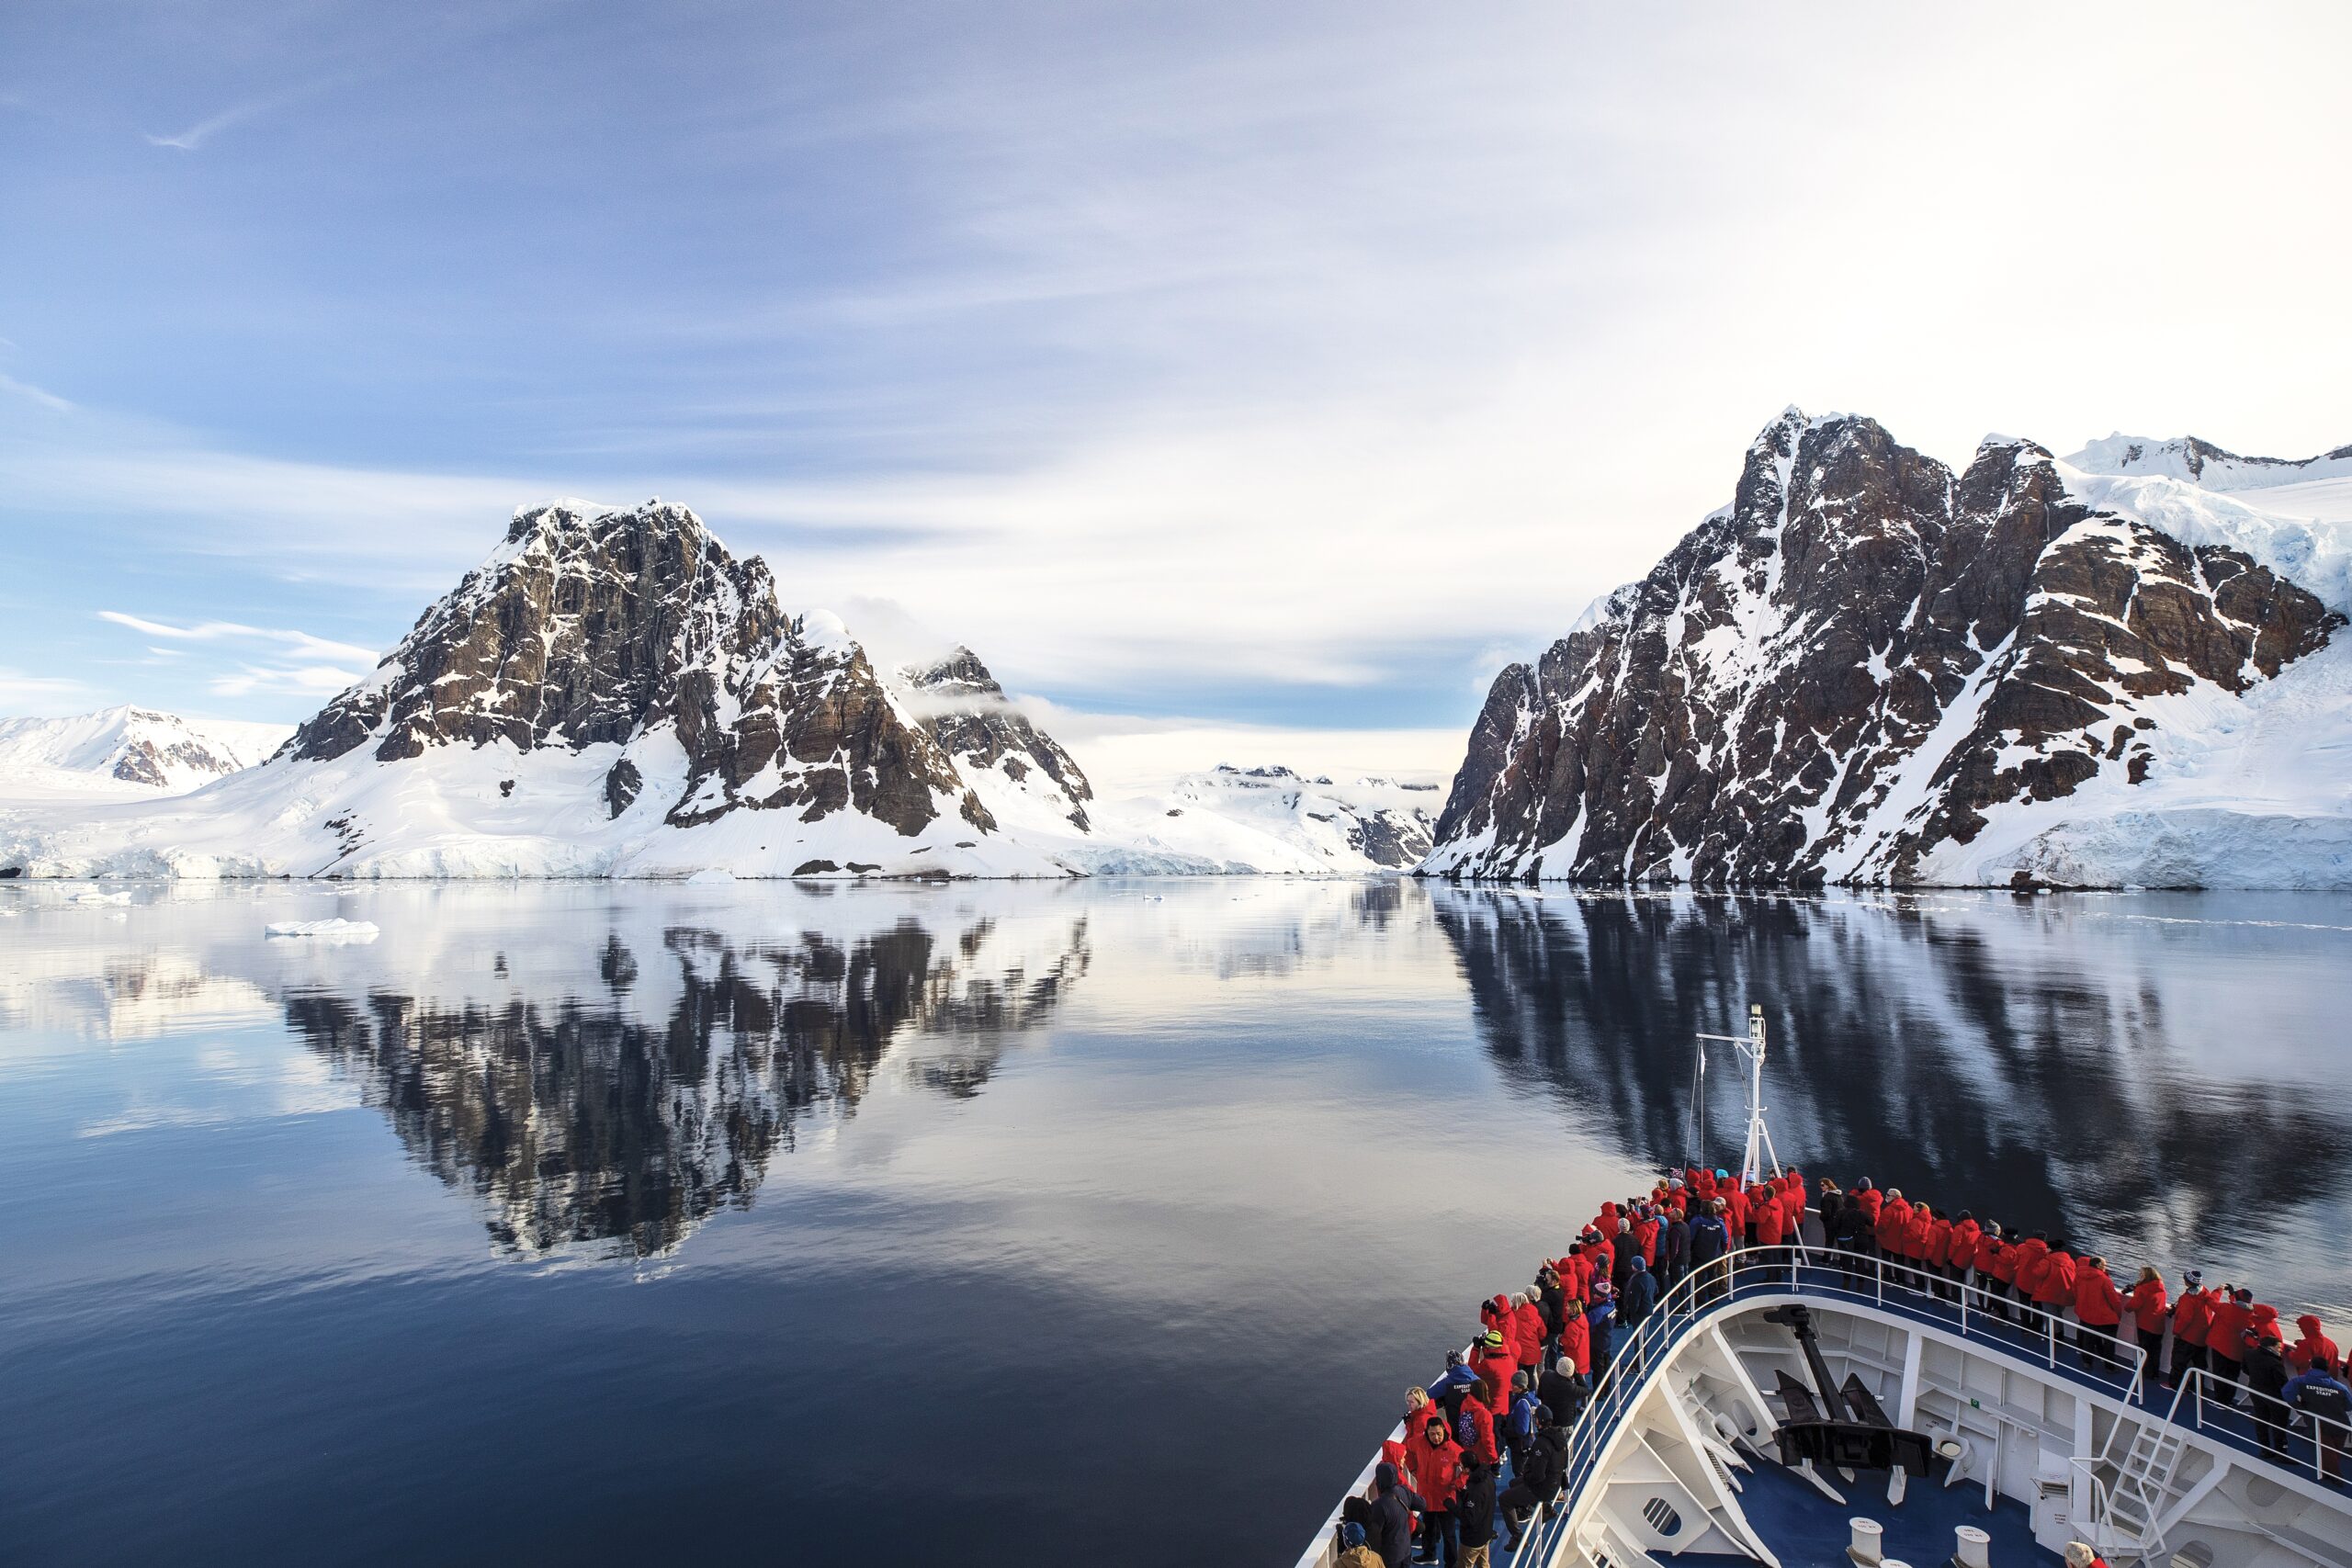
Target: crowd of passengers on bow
[{"x": 1485, "y": 1447}]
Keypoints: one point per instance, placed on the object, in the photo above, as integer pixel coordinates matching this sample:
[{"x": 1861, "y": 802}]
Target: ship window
[
  {"x": 1662, "y": 1517},
  {"x": 2193, "y": 1554}
]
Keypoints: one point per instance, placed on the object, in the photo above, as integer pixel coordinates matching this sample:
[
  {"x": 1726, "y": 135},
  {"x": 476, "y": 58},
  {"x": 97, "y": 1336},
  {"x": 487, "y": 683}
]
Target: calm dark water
[{"x": 1103, "y": 1222}]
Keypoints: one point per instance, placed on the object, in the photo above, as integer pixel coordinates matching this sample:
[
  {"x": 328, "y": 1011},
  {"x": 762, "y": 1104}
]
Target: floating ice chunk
[
  {"x": 332, "y": 930},
  {"x": 101, "y": 897},
  {"x": 713, "y": 873}
]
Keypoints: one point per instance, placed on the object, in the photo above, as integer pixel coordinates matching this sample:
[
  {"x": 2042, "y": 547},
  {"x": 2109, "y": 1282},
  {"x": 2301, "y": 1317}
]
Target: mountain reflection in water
[
  {"x": 591, "y": 1115},
  {"x": 924, "y": 1223},
  {"x": 2049, "y": 1063}
]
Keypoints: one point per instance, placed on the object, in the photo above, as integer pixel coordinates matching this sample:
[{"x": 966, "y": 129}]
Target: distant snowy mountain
[
  {"x": 2202, "y": 464},
  {"x": 1266, "y": 819},
  {"x": 1870, "y": 669},
  {"x": 610, "y": 692},
  {"x": 127, "y": 751},
  {"x": 1020, "y": 774}
]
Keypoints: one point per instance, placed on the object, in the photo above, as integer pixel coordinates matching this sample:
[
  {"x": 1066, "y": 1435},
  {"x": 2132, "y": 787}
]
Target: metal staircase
[{"x": 2134, "y": 1506}]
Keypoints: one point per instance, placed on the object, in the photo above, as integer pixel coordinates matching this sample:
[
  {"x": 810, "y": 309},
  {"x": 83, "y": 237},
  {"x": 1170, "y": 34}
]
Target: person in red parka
[
  {"x": 1476, "y": 1429},
  {"x": 1772, "y": 1220},
  {"x": 2192, "y": 1322},
  {"x": 2225, "y": 1339},
  {"x": 1871, "y": 1200},
  {"x": 2025, "y": 1274},
  {"x": 2055, "y": 1293},
  {"x": 1792, "y": 1202},
  {"x": 2148, "y": 1306},
  {"x": 1961, "y": 1256},
  {"x": 1576, "y": 1339},
  {"x": 1434, "y": 1468},
  {"x": 2098, "y": 1306},
  {"x": 1645, "y": 1231},
  {"x": 1738, "y": 1215},
  {"x": 1996, "y": 1265},
  {"x": 1893, "y": 1224},
  {"x": 1493, "y": 1359},
  {"x": 2313, "y": 1350},
  {"x": 1935, "y": 1252},
  {"x": 1532, "y": 1335}
]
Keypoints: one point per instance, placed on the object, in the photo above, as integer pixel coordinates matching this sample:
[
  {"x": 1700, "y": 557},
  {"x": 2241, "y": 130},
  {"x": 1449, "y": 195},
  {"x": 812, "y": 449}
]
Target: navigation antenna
[{"x": 1759, "y": 1141}]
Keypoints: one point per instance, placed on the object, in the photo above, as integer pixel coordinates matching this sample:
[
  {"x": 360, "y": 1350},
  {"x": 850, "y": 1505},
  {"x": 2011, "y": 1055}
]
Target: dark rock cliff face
[
  {"x": 965, "y": 711},
  {"x": 1848, "y": 667},
  {"x": 591, "y": 627}
]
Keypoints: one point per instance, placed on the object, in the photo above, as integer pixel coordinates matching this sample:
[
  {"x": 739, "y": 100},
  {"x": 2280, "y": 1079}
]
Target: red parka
[
  {"x": 2192, "y": 1317},
  {"x": 1646, "y": 1238},
  {"x": 2097, "y": 1301},
  {"x": 1893, "y": 1227},
  {"x": 1770, "y": 1221},
  {"x": 1482, "y": 1422},
  {"x": 1435, "y": 1469},
  {"x": 2146, "y": 1300},
  {"x": 1576, "y": 1342},
  {"x": 2025, "y": 1269},
  {"x": 1938, "y": 1251},
  {"x": 1872, "y": 1201},
  {"x": 1531, "y": 1334},
  {"x": 1967, "y": 1240},
  {"x": 2056, "y": 1291},
  {"x": 2226, "y": 1338},
  {"x": 2315, "y": 1348}
]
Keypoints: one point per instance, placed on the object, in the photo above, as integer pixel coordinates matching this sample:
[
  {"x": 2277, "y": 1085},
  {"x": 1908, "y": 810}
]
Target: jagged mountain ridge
[
  {"x": 606, "y": 627},
  {"x": 1849, "y": 672},
  {"x": 1019, "y": 770}
]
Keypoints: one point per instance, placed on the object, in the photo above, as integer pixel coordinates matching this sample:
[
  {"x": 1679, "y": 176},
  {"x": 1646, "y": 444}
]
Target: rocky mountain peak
[
  {"x": 1851, "y": 665},
  {"x": 1017, "y": 766},
  {"x": 636, "y": 628}
]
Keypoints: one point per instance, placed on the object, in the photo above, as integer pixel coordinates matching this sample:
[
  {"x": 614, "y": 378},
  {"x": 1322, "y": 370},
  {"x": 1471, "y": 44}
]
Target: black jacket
[
  {"x": 1565, "y": 1397},
  {"x": 1547, "y": 1463},
  {"x": 1674, "y": 1248},
  {"x": 1473, "y": 1508},
  {"x": 2266, "y": 1371},
  {"x": 1391, "y": 1530}
]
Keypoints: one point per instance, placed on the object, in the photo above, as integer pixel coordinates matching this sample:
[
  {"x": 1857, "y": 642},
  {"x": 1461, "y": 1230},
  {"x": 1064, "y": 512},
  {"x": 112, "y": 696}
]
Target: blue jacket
[
  {"x": 1709, "y": 1240},
  {"x": 1600, "y": 1317},
  {"x": 2334, "y": 1401},
  {"x": 1523, "y": 1417},
  {"x": 1641, "y": 1292},
  {"x": 1454, "y": 1378}
]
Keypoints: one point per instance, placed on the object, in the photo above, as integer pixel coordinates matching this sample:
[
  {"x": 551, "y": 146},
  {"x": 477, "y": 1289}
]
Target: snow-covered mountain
[
  {"x": 1871, "y": 668},
  {"x": 1266, "y": 819},
  {"x": 1020, "y": 774},
  {"x": 611, "y": 693},
  {"x": 126, "y": 752}
]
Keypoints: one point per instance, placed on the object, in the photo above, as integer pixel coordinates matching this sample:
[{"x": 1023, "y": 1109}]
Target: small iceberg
[
  {"x": 332, "y": 930},
  {"x": 101, "y": 897}
]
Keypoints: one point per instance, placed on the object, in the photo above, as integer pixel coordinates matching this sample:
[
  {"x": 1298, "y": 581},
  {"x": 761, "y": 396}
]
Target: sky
[{"x": 1242, "y": 382}]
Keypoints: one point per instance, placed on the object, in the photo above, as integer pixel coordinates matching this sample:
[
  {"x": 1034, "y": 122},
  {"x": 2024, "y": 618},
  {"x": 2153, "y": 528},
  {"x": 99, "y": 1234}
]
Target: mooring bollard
[
  {"x": 1864, "y": 1549},
  {"x": 1975, "y": 1548}
]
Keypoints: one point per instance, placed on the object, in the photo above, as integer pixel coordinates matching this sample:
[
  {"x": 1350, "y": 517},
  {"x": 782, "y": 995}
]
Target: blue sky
[{"x": 1199, "y": 365}]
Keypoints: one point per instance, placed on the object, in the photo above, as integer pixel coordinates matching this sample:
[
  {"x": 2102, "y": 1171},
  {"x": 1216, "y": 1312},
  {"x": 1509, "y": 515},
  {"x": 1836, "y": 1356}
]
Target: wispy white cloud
[
  {"x": 303, "y": 680},
  {"x": 303, "y": 670},
  {"x": 297, "y": 642},
  {"x": 31, "y": 393},
  {"x": 41, "y": 694}
]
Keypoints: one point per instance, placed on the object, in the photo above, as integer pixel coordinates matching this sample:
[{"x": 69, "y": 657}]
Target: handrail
[
  {"x": 1892, "y": 1285},
  {"x": 2289, "y": 1418},
  {"x": 1736, "y": 1274}
]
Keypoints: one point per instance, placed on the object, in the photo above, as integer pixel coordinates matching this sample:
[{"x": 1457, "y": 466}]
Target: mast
[{"x": 1750, "y": 1046}]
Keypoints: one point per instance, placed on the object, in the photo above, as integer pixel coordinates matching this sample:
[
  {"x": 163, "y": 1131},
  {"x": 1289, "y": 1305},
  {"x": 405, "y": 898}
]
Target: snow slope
[
  {"x": 1266, "y": 819},
  {"x": 126, "y": 753},
  {"x": 2254, "y": 791}
]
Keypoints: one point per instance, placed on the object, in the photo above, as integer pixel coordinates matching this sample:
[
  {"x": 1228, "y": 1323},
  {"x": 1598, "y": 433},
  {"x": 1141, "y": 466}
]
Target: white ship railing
[{"x": 2116, "y": 1365}]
